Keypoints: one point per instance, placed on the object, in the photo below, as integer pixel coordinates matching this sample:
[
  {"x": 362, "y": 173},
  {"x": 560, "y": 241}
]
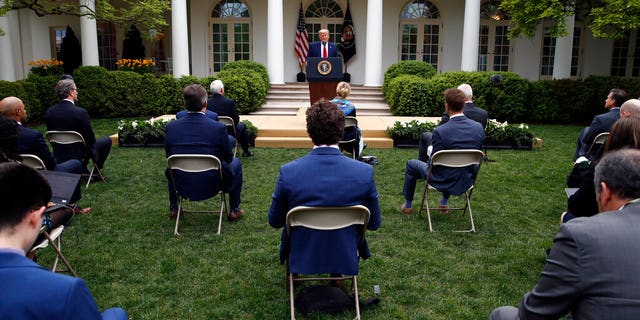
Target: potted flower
[
  {"x": 406, "y": 135},
  {"x": 142, "y": 133},
  {"x": 502, "y": 135},
  {"x": 44, "y": 67},
  {"x": 136, "y": 65}
]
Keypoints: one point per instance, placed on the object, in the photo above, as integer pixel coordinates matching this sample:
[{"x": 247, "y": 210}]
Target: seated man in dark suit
[
  {"x": 66, "y": 116},
  {"x": 459, "y": 132},
  {"x": 211, "y": 115},
  {"x": 224, "y": 106},
  {"x": 31, "y": 141},
  {"x": 470, "y": 111},
  {"x": 197, "y": 134},
  {"x": 28, "y": 291},
  {"x": 591, "y": 270},
  {"x": 324, "y": 178},
  {"x": 601, "y": 123}
]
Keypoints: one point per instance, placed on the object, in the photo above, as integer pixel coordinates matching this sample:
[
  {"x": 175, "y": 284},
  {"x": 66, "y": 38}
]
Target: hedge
[
  {"x": 119, "y": 94},
  {"x": 514, "y": 100},
  {"x": 409, "y": 67}
]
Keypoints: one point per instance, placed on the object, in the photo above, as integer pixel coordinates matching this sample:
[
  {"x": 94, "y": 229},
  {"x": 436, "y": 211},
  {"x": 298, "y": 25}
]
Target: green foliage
[
  {"x": 498, "y": 133},
  {"x": 251, "y": 65},
  {"x": 125, "y": 91},
  {"x": 413, "y": 129},
  {"x": 244, "y": 86},
  {"x": 42, "y": 89},
  {"x": 544, "y": 106},
  {"x": 251, "y": 129},
  {"x": 605, "y": 18},
  {"x": 91, "y": 82},
  {"x": 408, "y": 95},
  {"x": 143, "y": 132},
  {"x": 18, "y": 89},
  {"x": 407, "y": 67}
]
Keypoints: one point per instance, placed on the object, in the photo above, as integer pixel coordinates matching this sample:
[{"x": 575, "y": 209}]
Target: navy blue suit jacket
[
  {"x": 210, "y": 114},
  {"x": 31, "y": 141},
  {"x": 197, "y": 134},
  {"x": 472, "y": 112},
  {"x": 458, "y": 133},
  {"x": 28, "y": 291},
  {"x": 325, "y": 177},
  {"x": 601, "y": 123},
  {"x": 315, "y": 49},
  {"x": 66, "y": 116},
  {"x": 223, "y": 106}
]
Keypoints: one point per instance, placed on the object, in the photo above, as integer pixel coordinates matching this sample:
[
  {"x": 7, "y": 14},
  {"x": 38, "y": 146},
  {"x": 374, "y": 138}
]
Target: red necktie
[{"x": 324, "y": 51}]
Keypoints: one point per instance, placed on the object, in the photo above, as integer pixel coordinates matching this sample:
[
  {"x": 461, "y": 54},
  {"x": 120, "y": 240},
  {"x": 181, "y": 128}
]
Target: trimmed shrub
[
  {"x": 413, "y": 97},
  {"x": 91, "y": 84},
  {"x": 42, "y": 89},
  {"x": 407, "y": 67},
  {"x": 125, "y": 92},
  {"x": 245, "y": 87},
  {"x": 543, "y": 105},
  {"x": 251, "y": 65},
  {"x": 35, "y": 112}
]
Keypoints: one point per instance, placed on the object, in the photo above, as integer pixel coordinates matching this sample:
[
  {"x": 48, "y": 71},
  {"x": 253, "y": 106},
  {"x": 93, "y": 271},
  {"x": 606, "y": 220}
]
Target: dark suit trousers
[
  {"x": 101, "y": 150},
  {"x": 423, "y": 145}
]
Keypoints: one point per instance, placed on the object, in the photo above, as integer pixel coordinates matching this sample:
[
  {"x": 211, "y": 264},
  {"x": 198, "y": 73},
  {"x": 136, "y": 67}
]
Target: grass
[{"x": 126, "y": 252}]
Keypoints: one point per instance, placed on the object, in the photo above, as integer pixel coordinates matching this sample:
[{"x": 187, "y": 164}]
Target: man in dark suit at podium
[{"x": 323, "y": 48}]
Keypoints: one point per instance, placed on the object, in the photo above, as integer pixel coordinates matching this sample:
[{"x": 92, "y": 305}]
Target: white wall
[{"x": 597, "y": 53}]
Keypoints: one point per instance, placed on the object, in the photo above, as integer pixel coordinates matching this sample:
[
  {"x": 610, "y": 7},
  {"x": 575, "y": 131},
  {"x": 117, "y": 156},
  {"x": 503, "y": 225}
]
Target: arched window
[
  {"x": 324, "y": 14},
  {"x": 494, "y": 48},
  {"x": 230, "y": 34},
  {"x": 420, "y": 26}
]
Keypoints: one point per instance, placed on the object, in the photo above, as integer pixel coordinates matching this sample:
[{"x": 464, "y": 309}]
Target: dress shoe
[
  {"x": 406, "y": 211},
  {"x": 443, "y": 208},
  {"x": 247, "y": 154},
  {"x": 235, "y": 214},
  {"x": 173, "y": 214}
]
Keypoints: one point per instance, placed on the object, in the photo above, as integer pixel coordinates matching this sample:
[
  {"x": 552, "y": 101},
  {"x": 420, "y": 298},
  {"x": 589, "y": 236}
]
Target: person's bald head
[
  {"x": 630, "y": 108},
  {"x": 13, "y": 108}
]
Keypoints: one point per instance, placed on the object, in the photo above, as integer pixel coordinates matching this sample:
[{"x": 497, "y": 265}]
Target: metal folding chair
[
  {"x": 324, "y": 218},
  {"x": 196, "y": 163},
  {"x": 461, "y": 159},
  {"x": 33, "y": 161},
  {"x": 54, "y": 238},
  {"x": 351, "y": 145},
  {"x": 599, "y": 140},
  {"x": 231, "y": 127},
  {"x": 71, "y": 137}
]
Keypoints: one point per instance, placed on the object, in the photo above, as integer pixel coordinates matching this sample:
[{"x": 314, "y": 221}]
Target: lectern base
[{"x": 322, "y": 89}]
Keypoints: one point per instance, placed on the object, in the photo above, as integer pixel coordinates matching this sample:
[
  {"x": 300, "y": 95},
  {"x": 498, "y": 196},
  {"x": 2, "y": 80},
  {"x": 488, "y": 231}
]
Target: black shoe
[{"x": 247, "y": 154}]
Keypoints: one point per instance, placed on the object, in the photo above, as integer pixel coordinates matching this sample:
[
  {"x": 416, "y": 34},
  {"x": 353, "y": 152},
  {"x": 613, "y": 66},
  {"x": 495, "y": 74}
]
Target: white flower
[
  {"x": 150, "y": 121},
  {"x": 134, "y": 123},
  {"x": 120, "y": 125}
]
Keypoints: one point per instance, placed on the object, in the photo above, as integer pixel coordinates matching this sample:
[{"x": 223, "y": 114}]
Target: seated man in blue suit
[
  {"x": 31, "y": 141},
  {"x": 197, "y": 134},
  {"x": 27, "y": 290},
  {"x": 601, "y": 123},
  {"x": 459, "y": 132},
  {"x": 211, "y": 115},
  {"x": 325, "y": 177}
]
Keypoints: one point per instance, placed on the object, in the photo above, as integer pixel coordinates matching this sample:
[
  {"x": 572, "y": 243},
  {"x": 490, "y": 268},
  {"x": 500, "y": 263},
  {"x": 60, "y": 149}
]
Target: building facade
[{"x": 451, "y": 35}]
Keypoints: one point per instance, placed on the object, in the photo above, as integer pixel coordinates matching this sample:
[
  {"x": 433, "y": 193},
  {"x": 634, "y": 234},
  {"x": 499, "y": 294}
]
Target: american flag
[{"x": 302, "y": 39}]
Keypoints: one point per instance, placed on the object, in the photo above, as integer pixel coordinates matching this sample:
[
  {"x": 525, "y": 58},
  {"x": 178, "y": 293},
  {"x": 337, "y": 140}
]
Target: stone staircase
[{"x": 286, "y": 99}]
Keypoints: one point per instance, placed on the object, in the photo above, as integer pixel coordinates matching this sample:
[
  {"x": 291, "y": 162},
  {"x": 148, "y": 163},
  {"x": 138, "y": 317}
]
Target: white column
[
  {"x": 470, "y": 36},
  {"x": 179, "y": 38},
  {"x": 562, "y": 56},
  {"x": 275, "y": 42},
  {"x": 89, "y": 34},
  {"x": 373, "y": 60},
  {"x": 7, "y": 70}
]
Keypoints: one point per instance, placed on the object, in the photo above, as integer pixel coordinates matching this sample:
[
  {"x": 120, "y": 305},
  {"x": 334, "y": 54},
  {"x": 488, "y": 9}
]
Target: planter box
[
  {"x": 409, "y": 142},
  {"x": 132, "y": 142},
  {"x": 405, "y": 142}
]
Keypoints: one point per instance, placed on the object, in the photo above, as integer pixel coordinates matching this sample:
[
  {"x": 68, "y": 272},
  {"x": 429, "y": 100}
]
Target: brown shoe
[
  {"x": 80, "y": 210},
  {"x": 443, "y": 208},
  {"x": 405, "y": 210},
  {"x": 235, "y": 214}
]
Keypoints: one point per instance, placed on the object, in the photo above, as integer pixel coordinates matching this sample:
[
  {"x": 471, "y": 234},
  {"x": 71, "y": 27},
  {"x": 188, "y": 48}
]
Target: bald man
[
  {"x": 630, "y": 108},
  {"x": 31, "y": 141}
]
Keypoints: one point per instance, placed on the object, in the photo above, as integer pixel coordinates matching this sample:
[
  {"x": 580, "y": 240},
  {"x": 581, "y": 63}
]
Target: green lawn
[{"x": 126, "y": 252}]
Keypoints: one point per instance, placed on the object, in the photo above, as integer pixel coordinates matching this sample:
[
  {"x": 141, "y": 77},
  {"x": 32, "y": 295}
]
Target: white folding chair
[
  {"x": 196, "y": 163},
  {"x": 54, "y": 238},
  {"x": 33, "y": 161},
  {"x": 227, "y": 121},
  {"x": 324, "y": 218},
  {"x": 351, "y": 145},
  {"x": 600, "y": 139},
  {"x": 71, "y": 137},
  {"x": 454, "y": 159}
]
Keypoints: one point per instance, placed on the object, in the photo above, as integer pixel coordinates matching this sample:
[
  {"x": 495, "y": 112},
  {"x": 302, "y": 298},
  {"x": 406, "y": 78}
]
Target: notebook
[{"x": 62, "y": 184}]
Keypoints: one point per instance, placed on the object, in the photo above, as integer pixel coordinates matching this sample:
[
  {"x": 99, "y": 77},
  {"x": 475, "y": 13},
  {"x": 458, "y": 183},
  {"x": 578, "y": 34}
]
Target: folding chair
[
  {"x": 33, "y": 161},
  {"x": 72, "y": 137},
  {"x": 454, "y": 159},
  {"x": 196, "y": 163},
  {"x": 324, "y": 218},
  {"x": 598, "y": 141},
  {"x": 54, "y": 238},
  {"x": 351, "y": 145},
  {"x": 231, "y": 127}
]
